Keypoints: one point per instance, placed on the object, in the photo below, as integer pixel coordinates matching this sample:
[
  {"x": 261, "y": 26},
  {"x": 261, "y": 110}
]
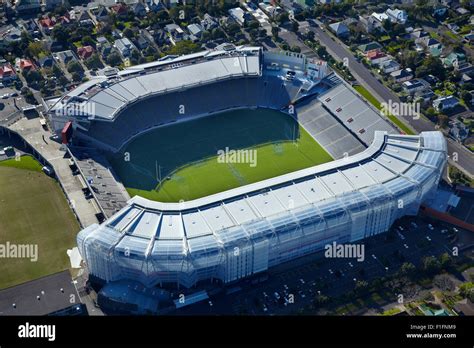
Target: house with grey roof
[
  {"x": 124, "y": 46},
  {"x": 340, "y": 29}
]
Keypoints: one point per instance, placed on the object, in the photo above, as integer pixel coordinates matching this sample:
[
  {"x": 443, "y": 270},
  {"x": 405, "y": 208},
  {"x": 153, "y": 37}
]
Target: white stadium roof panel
[
  {"x": 336, "y": 183},
  {"x": 146, "y": 225},
  {"x": 217, "y": 218},
  {"x": 171, "y": 227},
  {"x": 290, "y": 196},
  {"x": 266, "y": 204},
  {"x": 240, "y": 211},
  {"x": 195, "y": 225}
]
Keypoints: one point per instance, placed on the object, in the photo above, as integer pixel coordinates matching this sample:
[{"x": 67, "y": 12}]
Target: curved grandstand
[
  {"x": 243, "y": 231},
  {"x": 109, "y": 111}
]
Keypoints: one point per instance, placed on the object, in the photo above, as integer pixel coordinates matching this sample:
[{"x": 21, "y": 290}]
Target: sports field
[
  {"x": 33, "y": 211},
  {"x": 180, "y": 162}
]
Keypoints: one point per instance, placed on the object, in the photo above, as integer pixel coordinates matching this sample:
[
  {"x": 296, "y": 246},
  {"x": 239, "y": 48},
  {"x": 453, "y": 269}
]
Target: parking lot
[{"x": 294, "y": 285}]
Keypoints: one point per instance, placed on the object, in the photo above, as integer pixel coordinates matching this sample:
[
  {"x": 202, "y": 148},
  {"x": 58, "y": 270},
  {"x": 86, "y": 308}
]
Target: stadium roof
[
  {"x": 389, "y": 167},
  {"x": 103, "y": 98}
]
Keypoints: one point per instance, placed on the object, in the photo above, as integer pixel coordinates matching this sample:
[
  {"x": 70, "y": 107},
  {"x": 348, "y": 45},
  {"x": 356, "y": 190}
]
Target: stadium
[{"x": 377, "y": 176}]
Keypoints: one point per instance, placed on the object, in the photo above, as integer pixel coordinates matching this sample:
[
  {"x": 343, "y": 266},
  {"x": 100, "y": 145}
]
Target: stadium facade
[{"x": 244, "y": 231}]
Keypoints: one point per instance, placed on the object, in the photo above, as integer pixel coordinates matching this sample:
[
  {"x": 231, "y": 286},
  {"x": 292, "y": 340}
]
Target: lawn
[
  {"x": 189, "y": 167},
  {"x": 33, "y": 210},
  {"x": 372, "y": 100}
]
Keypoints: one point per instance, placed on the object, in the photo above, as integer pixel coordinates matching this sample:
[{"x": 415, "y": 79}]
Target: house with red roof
[
  {"x": 85, "y": 52},
  {"x": 47, "y": 23},
  {"x": 120, "y": 9},
  {"x": 376, "y": 57},
  {"x": 7, "y": 73},
  {"x": 26, "y": 65}
]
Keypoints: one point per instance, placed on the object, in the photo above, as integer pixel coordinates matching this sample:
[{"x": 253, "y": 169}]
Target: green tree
[{"x": 114, "y": 59}]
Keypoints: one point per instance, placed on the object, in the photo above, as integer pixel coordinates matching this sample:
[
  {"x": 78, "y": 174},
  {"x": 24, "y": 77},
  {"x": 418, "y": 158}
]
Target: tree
[
  {"x": 361, "y": 286},
  {"x": 114, "y": 59},
  {"x": 407, "y": 268},
  {"x": 76, "y": 77},
  {"x": 467, "y": 97},
  {"x": 283, "y": 18},
  {"x": 310, "y": 35},
  {"x": 35, "y": 48},
  {"x": 443, "y": 120},
  {"x": 93, "y": 62},
  {"x": 61, "y": 34},
  {"x": 87, "y": 41},
  {"x": 295, "y": 26},
  {"x": 430, "y": 264},
  {"x": 74, "y": 66},
  {"x": 129, "y": 33},
  {"x": 184, "y": 47}
]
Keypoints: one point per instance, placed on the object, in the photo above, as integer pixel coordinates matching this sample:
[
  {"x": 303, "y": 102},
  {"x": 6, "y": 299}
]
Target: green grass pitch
[
  {"x": 184, "y": 156},
  {"x": 33, "y": 210}
]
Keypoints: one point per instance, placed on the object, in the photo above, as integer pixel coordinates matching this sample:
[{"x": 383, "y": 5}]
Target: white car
[
  {"x": 428, "y": 238},
  {"x": 430, "y": 226}
]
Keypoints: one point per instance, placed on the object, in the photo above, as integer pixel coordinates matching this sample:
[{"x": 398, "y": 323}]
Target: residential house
[
  {"x": 85, "y": 52},
  {"x": 424, "y": 96},
  {"x": 124, "y": 46},
  {"x": 154, "y": 5},
  {"x": 372, "y": 46},
  {"x": 439, "y": 11},
  {"x": 418, "y": 34},
  {"x": 340, "y": 29},
  {"x": 402, "y": 75},
  {"x": 459, "y": 131},
  {"x": 370, "y": 24},
  {"x": 101, "y": 14},
  {"x": 175, "y": 32},
  {"x": 105, "y": 49},
  {"x": 389, "y": 66},
  {"x": 30, "y": 27},
  {"x": 195, "y": 29},
  {"x": 469, "y": 38},
  {"x": 208, "y": 23},
  {"x": 416, "y": 85},
  {"x": 27, "y": 6},
  {"x": 46, "y": 62},
  {"x": 25, "y": 65},
  {"x": 454, "y": 59},
  {"x": 376, "y": 57},
  {"x": 159, "y": 36},
  {"x": 47, "y": 24},
  {"x": 445, "y": 103},
  {"x": 52, "y": 4},
  {"x": 397, "y": 16},
  {"x": 66, "y": 56},
  {"x": 433, "y": 46},
  {"x": 7, "y": 73},
  {"x": 138, "y": 9},
  {"x": 239, "y": 15},
  {"x": 379, "y": 16},
  {"x": 141, "y": 42},
  {"x": 120, "y": 9}
]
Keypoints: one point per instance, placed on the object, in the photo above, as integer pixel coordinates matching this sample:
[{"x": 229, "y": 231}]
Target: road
[{"x": 465, "y": 159}]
